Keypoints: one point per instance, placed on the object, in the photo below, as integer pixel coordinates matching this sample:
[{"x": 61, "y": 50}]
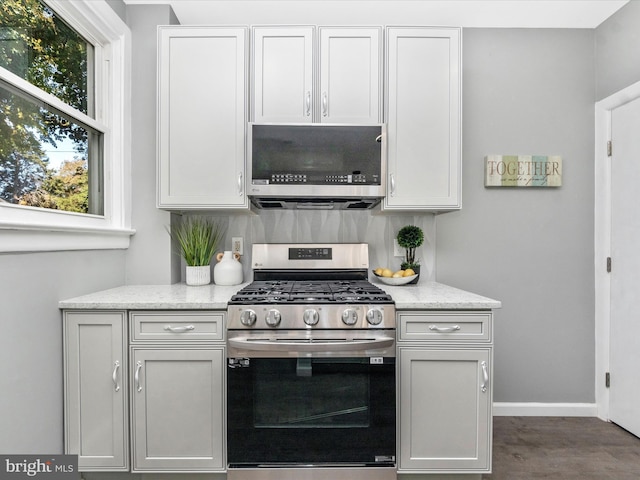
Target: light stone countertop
[
  {"x": 436, "y": 296},
  {"x": 424, "y": 295},
  {"x": 178, "y": 296}
]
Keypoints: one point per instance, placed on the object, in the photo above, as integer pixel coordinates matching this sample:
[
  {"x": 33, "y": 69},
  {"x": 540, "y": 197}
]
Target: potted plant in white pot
[
  {"x": 410, "y": 237},
  {"x": 197, "y": 239}
]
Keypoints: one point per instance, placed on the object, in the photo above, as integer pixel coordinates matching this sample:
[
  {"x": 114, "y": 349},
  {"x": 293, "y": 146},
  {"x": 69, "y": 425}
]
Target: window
[{"x": 63, "y": 126}]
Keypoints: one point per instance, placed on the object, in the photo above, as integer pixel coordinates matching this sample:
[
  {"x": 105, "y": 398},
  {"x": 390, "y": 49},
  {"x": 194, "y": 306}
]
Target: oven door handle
[{"x": 308, "y": 345}]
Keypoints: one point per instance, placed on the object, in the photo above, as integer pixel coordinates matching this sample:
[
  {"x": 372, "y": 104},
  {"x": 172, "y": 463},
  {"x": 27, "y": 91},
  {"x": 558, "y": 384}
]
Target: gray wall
[
  {"x": 148, "y": 258},
  {"x": 31, "y": 340},
  {"x": 618, "y": 51},
  {"x": 529, "y": 92}
]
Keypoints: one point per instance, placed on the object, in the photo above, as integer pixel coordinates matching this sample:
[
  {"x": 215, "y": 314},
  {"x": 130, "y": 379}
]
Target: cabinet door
[
  {"x": 202, "y": 115},
  {"x": 445, "y": 410},
  {"x": 423, "y": 96},
  {"x": 283, "y": 74},
  {"x": 95, "y": 390},
  {"x": 178, "y": 409},
  {"x": 350, "y": 75}
]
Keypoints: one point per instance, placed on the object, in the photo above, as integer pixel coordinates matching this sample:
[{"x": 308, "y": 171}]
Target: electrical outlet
[
  {"x": 398, "y": 251},
  {"x": 237, "y": 245}
]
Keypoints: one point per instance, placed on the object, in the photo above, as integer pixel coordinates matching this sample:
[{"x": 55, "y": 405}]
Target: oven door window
[
  {"x": 311, "y": 393},
  {"x": 311, "y": 411}
]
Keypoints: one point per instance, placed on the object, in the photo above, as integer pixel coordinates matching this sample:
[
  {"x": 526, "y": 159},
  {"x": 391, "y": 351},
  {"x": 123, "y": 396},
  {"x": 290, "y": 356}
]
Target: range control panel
[{"x": 304, "y": 253}]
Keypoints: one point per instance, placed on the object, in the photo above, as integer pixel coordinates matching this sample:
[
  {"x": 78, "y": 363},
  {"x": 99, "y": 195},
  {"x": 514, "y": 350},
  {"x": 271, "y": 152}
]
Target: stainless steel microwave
[{"x": 316, "y": 166}]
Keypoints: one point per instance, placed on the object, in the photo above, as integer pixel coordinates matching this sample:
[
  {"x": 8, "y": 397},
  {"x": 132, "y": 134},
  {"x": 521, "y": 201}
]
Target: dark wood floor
[{"x": 559, "y": 448}]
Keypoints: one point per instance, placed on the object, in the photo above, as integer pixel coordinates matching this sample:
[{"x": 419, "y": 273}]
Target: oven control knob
[
  {"x": 273, "y": 318},
  {"x": 350, "y": 316},
  {"x": 374, "y": 316},
  {"x": 310, "y": 316},
  {"x": 248, "y": 318}
]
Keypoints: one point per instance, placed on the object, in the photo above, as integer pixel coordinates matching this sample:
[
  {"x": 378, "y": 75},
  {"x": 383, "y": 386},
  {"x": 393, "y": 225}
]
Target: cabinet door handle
[
  {"x": 453, "y": 328},
  {"x": 485, "y": 376},
  {"x": 181, "y": 329},
  {"x": 240, "y": 183},
  {"x": 116, "y": 367},
  {"x": 392, "y": 181},
  {"x": 325, "y": 104},
  {"x": 137, "y": 376},
  {"x": 307, "y": 103}
]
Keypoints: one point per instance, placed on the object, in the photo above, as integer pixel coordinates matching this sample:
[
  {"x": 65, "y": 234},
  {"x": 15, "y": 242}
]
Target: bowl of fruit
[{"x": 399, "y": 277}]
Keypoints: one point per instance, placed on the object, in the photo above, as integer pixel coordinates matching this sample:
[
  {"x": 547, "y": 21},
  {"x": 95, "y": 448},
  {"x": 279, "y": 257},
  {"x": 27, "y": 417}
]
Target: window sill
[{"x": 47, "y": 238}]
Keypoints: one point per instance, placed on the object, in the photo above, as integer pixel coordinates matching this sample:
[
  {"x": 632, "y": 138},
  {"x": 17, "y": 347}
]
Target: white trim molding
[
  {"x": 602, "y": 238},
  {"x": 533, "y": 409}
]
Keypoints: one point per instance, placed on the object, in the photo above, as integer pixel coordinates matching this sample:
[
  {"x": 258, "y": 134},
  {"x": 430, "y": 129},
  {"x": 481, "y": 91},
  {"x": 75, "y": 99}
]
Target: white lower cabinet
[
  {"x": 177, "y": 409},
  {"x": 95, "y": 389},
  {"x": 444, "y": 412},
  {"x": 445, "y": 393},
  {"x": 174, "y": 380}
]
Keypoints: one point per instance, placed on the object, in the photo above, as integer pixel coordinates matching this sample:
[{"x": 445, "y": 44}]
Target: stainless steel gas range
[{"x": 311, "y": 366}]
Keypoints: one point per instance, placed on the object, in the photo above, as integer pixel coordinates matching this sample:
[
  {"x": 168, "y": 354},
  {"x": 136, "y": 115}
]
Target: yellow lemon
[
  {"x": 399, "y": 273},
  {"x": 378, "y": 271},
  {"x": 408, "y": 272},
  {"x": 386, "y": 272}
]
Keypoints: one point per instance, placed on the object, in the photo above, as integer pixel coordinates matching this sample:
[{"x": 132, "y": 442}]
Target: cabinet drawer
[
  {"x": 444, "y": 326},
  {"x": 177, "y": 326}
]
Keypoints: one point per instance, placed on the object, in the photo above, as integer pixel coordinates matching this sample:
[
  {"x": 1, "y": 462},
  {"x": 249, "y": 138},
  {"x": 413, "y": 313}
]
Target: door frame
[{"x": 602, "y": 239}]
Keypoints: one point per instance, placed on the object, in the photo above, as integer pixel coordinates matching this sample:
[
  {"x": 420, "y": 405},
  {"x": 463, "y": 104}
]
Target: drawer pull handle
[
  {"x": 116, "y": 366},
  {"x": 453, "y": 328},
  {"x": 182, "y": 329},
  {"x": 136, "y": 377},
  {"x": 485, "y": 376}
]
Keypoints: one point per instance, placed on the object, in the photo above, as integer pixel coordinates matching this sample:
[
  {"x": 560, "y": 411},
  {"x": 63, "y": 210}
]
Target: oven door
[{"x": 311, "y": 409}]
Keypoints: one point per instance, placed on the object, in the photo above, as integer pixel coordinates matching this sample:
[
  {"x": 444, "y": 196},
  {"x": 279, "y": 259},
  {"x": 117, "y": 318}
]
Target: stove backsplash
[{"x": 318, "y": 226}]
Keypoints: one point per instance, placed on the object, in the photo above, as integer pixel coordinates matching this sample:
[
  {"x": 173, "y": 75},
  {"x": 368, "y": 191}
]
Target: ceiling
[{"x": 463, "y": 13}]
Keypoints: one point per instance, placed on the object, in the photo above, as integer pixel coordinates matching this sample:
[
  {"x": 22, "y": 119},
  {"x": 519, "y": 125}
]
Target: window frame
[{"x": 24, "y": 228}]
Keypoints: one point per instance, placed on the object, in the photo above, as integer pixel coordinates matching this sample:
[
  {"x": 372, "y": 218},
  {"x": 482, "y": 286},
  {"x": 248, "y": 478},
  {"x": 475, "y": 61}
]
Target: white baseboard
[{"x": 533, "y": 409}]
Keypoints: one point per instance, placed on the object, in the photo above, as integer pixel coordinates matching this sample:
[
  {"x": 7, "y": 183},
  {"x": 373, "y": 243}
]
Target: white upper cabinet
[
  {"x": 336, "y": 79},
  {"x": 202, "y": 116},
  {"x": 423, "y": 90},
  {"x": 350, "y": 75},
  {"x": 283, "y": 74}
]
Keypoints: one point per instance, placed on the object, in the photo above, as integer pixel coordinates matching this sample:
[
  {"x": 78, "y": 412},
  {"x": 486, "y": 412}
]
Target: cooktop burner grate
[{"x": 310, "y": 291}]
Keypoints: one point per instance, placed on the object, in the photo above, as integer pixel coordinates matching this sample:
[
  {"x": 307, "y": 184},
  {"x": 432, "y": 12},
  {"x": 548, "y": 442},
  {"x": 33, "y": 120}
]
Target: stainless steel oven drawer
[
  {"x": 177, "y": 326},
  {"x": 444, "y": 326}
]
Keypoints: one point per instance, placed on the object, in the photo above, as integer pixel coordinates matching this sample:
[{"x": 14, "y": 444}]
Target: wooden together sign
[{"x": 523, "y": 171}]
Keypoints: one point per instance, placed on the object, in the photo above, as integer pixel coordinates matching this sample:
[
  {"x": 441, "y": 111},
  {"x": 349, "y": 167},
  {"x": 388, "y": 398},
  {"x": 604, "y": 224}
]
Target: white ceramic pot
[
  {"x": 228, "y": 270},
  {"x": 198, "y": 275}
]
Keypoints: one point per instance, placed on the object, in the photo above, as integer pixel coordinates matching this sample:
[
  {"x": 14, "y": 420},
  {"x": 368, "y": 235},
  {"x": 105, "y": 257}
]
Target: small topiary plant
[{"x": 410, "y": 237}]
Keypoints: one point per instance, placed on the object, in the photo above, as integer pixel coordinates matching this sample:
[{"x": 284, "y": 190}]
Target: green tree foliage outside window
[{"x": 37, "y": 46}]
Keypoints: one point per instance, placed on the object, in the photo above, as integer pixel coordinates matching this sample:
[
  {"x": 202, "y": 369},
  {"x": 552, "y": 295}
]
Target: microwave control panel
[{"x": 301, "y": 178}]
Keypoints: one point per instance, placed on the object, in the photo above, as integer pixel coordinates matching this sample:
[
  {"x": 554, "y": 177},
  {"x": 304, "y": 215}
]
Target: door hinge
[
  {"x": 607, "y": 380},
  {"x": 608, "y": 264},
  {"x": 609, "y": 148}
]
